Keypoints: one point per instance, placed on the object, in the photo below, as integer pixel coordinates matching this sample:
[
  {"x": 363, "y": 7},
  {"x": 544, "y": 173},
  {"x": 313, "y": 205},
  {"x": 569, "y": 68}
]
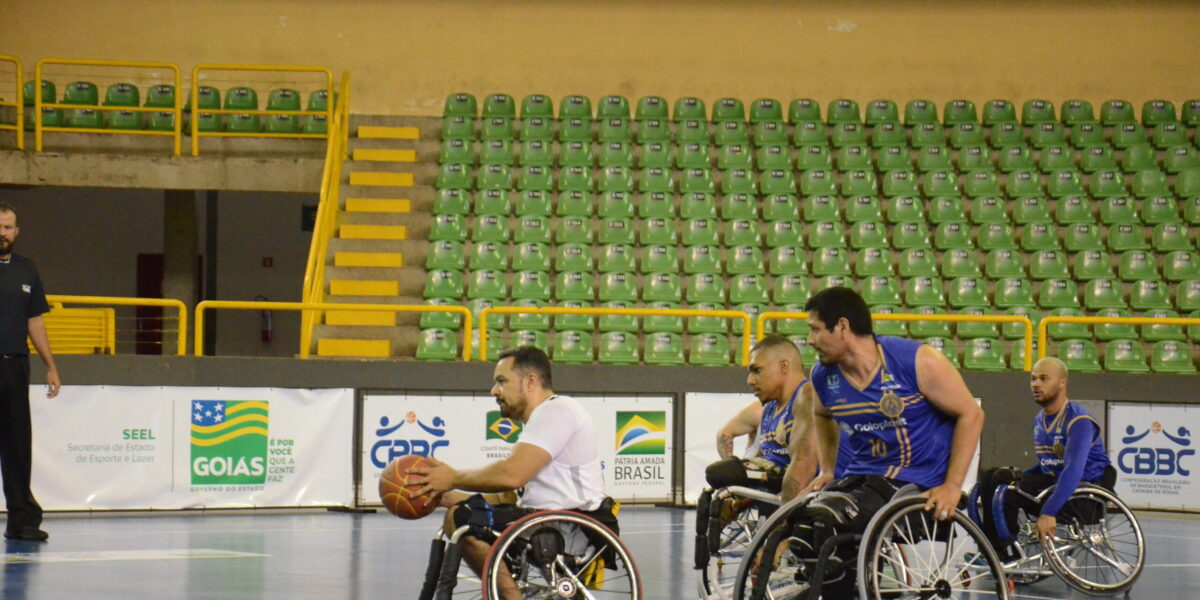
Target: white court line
[{"x": 123, "y": 555}]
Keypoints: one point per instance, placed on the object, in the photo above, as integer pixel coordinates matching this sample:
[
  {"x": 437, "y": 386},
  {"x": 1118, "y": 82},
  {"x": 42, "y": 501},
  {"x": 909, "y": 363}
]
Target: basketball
[{"x": 398, "y": 496}]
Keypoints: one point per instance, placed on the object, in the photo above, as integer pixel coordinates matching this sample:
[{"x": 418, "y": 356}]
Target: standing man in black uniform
[{"x": 22, "y": 304}]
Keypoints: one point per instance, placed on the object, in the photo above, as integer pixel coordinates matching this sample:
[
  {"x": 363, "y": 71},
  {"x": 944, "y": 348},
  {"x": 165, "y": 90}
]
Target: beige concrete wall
[{"x": 406, "y": 56}]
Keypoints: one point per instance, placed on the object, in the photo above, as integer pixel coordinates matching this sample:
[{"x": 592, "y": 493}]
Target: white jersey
[{"x": 572, "y": 479}]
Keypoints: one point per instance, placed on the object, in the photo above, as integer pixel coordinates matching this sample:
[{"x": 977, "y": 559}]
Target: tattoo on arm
[{"x": 724, "y": 445}]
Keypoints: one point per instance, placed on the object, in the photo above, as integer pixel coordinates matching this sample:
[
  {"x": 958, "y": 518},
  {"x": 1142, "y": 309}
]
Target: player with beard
[
  {"x": 1069, "y": 446},
  {"x": 554, "y": 465}
]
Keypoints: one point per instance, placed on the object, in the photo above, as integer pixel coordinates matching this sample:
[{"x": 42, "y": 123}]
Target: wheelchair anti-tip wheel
[
  {"x": 906, "y": 553},
  {"x": 1098, "y": 547},
  {"x": 561, "y": 555}
]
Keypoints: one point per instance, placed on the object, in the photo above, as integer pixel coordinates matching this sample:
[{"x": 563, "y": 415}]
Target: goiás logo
[
  {"x": 1156, "y": 451},
  {"x": 410, "y": 435},
  {"x": 229, "y": 442},
  {"x": 641, "y": 444},
  {"x": 502, "y": 428}
]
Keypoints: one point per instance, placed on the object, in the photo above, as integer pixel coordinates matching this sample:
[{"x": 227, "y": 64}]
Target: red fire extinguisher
[{"x": 264, "y": 320}]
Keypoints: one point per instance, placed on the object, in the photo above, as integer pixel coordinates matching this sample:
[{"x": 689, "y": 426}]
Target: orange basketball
[{"x": 398, "y": 496}]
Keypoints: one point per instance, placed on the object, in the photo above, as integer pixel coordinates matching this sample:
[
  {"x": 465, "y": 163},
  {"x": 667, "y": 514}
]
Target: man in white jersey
[{"x": 555, "y": 463}]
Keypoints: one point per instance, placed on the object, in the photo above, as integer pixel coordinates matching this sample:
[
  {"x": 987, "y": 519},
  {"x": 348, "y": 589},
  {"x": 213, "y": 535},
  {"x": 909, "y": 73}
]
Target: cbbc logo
[
  {"x": 229, "y": 442},
  {"x": 1156, "y": 459},
  {"x": 386, "y": 449},
  {"x": 642, "y": 432},
  {"x": 502, "y": 428}
]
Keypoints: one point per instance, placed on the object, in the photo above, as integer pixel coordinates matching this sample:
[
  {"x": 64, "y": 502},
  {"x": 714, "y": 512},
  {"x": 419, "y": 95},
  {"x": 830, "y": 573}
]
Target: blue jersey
[
  {"x": 775, "y": 429},
  {"x": 1050, "y": 441},
  {"x": 890, "y": 428}
]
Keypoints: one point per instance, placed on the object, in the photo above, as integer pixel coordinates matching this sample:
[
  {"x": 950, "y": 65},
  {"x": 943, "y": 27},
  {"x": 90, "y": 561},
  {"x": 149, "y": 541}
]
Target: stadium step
[
  {"x": 382, "y": 179},
  {"x": 363, "y": 287},
  {"x": 368, "y": 259},
  {"x": 380, "y": 318},
  {"x": 373, "y": 232},
  {"x": 385, "y": 155},
  {"x": 384, "y": 205},
  {"x": 340, "y": 347},
  {"x": 391, "y": 133}
]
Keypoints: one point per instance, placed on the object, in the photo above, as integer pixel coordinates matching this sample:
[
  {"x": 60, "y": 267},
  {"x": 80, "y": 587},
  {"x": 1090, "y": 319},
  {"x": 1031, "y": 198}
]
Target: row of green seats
[
  {"x": 163, "y": 96},
  {"x": 1033, "y": 112}
]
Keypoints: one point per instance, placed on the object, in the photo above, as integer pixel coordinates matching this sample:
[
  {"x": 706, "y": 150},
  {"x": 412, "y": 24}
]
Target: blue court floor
[{"x": 317, "y": 554}]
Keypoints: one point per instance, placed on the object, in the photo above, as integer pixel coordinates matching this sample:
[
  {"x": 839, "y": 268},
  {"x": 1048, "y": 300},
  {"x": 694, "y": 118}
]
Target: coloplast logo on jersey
[
  {"x": 410, "y": 435},
  {"x": 1156, "y": 450},
  {"x": 641, "y": 445},
  {"x": 229, "y": 442},
  {"x": 500, "y": 433}
]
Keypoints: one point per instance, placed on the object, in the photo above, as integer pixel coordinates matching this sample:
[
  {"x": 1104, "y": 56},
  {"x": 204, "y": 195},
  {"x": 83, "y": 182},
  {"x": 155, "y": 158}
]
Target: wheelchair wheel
[
  {"x": 1098, "y": 547},
  {"x": 779, "y": 573},
  {"x": 906, "y": 553},
  {"x": 561, "y": 555},
  {"x": 718, "y": 577},
  {"x": 1031, "y": 567}
]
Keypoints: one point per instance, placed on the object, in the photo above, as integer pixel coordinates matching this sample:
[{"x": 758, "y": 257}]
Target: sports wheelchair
[
  {"x": 1098, "y": 547},
  {"x": 551, "y": 554},
  {"x": 902, "y": 553},
  {"x": 726, "y": 520}
]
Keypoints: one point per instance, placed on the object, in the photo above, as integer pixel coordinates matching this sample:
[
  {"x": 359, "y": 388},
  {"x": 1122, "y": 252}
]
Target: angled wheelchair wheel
[
  {"x": 1098, "y": 547},
  {"x": 906, "y": 553},
  {"x": 768, "y": 570},
  {"x": 561, "y": 555},
  {"x": 1031, "y": 567},
  {"x": 719, "y": 575}
]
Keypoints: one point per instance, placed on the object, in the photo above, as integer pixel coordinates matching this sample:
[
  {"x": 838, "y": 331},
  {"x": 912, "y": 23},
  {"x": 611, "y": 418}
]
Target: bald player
[
  {"x": 1069, "y": 446},
  {"x": 779, "y": 422}
]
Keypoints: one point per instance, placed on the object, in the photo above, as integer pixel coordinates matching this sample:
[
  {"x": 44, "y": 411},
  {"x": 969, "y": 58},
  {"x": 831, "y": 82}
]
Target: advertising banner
[
  {"x": 111, "y": 447},
  {"x": 1153, "y": 450},
  {"x": 634, "y": 434},
  {"x": 704, "y": 415}
]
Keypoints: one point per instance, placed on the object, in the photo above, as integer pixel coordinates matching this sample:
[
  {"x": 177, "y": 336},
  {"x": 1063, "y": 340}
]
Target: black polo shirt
[{"x": 21, "y": 298}]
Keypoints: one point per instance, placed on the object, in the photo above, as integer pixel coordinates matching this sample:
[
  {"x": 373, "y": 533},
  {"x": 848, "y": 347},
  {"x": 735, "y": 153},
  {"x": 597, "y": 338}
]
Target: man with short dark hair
[
  {"x": 22, "y": 304},
  {"x": 555, "y": 463}
]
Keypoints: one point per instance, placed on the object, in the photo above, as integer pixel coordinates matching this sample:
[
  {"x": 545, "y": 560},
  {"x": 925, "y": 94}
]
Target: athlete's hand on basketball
[
  {"x": 1046, "y": 525},
  {"x": 435, "y": 477},
  {"x": 942, "y": 500}
]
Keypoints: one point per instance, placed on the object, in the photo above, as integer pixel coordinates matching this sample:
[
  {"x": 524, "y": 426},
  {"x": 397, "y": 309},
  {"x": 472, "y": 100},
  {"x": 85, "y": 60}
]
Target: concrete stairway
[{"x": 377, "y": 254}]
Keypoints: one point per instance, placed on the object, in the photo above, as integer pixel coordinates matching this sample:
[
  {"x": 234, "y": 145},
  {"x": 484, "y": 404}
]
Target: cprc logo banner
[{"x": 1153, "y": 448}]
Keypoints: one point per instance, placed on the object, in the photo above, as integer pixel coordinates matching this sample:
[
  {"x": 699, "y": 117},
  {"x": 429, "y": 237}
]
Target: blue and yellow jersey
[
  {"x": 775, "y": 429},
  {"x": 890, "y": 428},
  {"x": 1050, "y": 441}
]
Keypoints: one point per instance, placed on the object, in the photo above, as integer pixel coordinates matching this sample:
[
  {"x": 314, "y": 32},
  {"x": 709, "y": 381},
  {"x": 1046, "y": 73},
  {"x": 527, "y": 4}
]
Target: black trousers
[{"x": 16, "y": 444}]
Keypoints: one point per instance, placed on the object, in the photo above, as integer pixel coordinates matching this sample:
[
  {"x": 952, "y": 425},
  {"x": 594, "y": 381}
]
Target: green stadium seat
[
  {"x": 881, "y": 289},
  {"x": 531, "y": 256},
  {"x": 882, "y": 111},
  {"x": 794, "y": 327},
  {"x": 1047, "y": 134},
  {"x": 615, "y": 130},
  {"x": 1073, "y": 210},
  {"x": 967, "y": 291},
  {"x": 706, "y": 287},
  {"x": 656, "y": 179},
  {"x": 818, "y": 182},
  {"x": 1077, "y": 111},
  {"x": 575, "y": 130},
  {"x": 1082, "y": 236},
  {"x": 830, "y": 261},
  {"x": 574, "y": 203},
  {"x": 742, "y": 233},
  {"x": 1160, "y": 209},
  {"x": 934, "y": 158},
  {"x": 1012, "y": 292},
  {"x": 1006, "y": 135},
  {"x": 709, "y": 350},
  {"x": 1125, "y": 236},
  {"x": 924, "y": 291},
  {"x": 900, "y": 183},
  {"x": 1065, "y": 331},
  {"x": 826, "y": 234},
  {"x": 1080, "y": 356},
  {"x": 692, "y": 132},
  {"x": 572, "y": 347},
  {"x": 657, "y": 231},
  {"x": 616, "y": 230},
  {"x": 939, "y": 183},
  {"x": 662, "y": 324},
  {"x": 576, "y": 154},
  {"x": 1149, "y": 294},
  {"x": 1092, "y": 264},
  {"x": 453, "y": 176},
  {"x": 974, "y": 158},
  {"x": 784, "y": 233},
  {"x": 529, "y": 337},
  {"x": 788, "y": 260},
  {"x": 1161, "y": 333},
  {"x": 848, "y": 134},
  {"x": 999, "y": 111},
  {"x": 1107, "y": 184},
  {"x": 983, "y": 354},
  {"x": 437, "y": 344},
  {"x": 499, "y": 177},
  {"x": 535, "y": 203},
  {"x": 575, "y": 107},
  {"x": 496, "y": 128},
  {"x": 739, "y": 156},
  {"x": 449, "y": 227},
  {"x": 868, "y": 234},
  {"x": 888, "y": 136},
  {"x": 457, "y": 151},
  {"x": 979, "y": 184},
  {"x": 918, "y": 262},
  {"x": 1015, "y": 158},
  {"x": 659, "y": 258},
  {"x": 1169, "y": 135},
  {"x": 1189, "y": 113},
  {"x": 731, "y": 132},
  {"x": 664, "y": 349},
  {"x": 1187, "y": 295},
  {"x": 996, "y": 236},
  {"x": 619, "y": 348},
  {"x": 775, "y": 181},
  {"x": 945, "y": 209},
  {"x": 615, "y": 204},
  {"x": 690, "y": 108},
  {"x": 492, "y": 202},
  {"x": 821, "y": 208},
  {"x": 777, "y": 207},
  {"x": 488, "y": 255},
  {"x": 445, "y": 255},
  {"x": 1103, "y": 293},
  {"x": 887, "y": 326},
  {"x": 613, "y": 107},
  {"x": 1058, "y": 293},
  {"x": 662, "y": 287},
  {"x": 573, "y": 257},
  {"x": 920, "y": 111},
  {"x": 1039, "y": 236},
  {"x": 1181, "y": 266},
  {"x": 1136, "y": 265},
  {"x": 452, "y": 321},
  {"x": 535, "y": 229},
  {"x": 764, "y": 109},
  {"x": 617, "y": 258},
  {"x": 1088, "y": 135},
  {"x": 744, "y": 259},
  {"x": 1171, "y": 237},
  {"x": 928, "y": 329},
  {"x": 574, "y": 285},
  {"x": 825, "y": 283},
  {"x": 86, "y": 93},
  {"x": 858, "y": 209},
  {"x": 443, "y": 284},
  {"x": 1056, "y": 158},
  {"x": 696, "y": 180},
  {"x": 961, "y": 263},
  {"x": 531, "y": 285},
  {"x": 967, "y": 134},
  {"x": 700, "y": 232},
  {"x": 870, "y": 262},
  {"x": 540, "y": 152},
  {"x": 1003, "y": 263},
  {"x": 537, "y": 129},
  {"x": 698, "y": 325},
  {"x": 1178, "y": 160},
  {"x": 1048, "y": 264},
  {"x": 573, "y": 230},
  {"x": 951, "y": 236},
  {"x": 741, "y": 181},
  {"x": 976, "y": 329},
  {"x": 533, "y": 105},
  {"x": 1125, "y": 356},
  {"x": 451, "y": 202},
  {"x": 651, "y": 108},
  {"x": 1030, "y": 210},
  {"x": 1036, "y": 112},
  {"x": 1013, "y": 331},
  {"x": 1115, "y": 112},
  {"x": 576, "y": 322},
  {"x": 814, "y": 158},
  {"x": 653, "y": 131},
  {"x": 1129, "y": 135},
  {"x": 486, "y": 283},
  {"x": 904, "y": 209},
  {"x": 768, "y": 157},
  {"x": 927, "y": 134},
  {"x": 1061, "y": 184},
  {"x": 619, "y": 154},
  {"x": 750, "y": 288},
  {"x": 959, "y": 111},
  {"x": 842, "y": 111},
  {"x": 701, "y": 259},
  {"x": 1172, "y": 357},
  {"x": 809, "y": 133}
]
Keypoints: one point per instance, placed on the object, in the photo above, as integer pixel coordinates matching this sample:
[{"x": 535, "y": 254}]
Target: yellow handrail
[
  {"x": 38, "y": 127},
  {"x": 601, "y": 311},
  {"x": 327, "y": 211},
  {"x": 1048, "y": 320},
  {"x": 181, "y": 342},
  {"x": 19, "y": 126},
  {"x": 306, "y": 306},
  {"x": 195, "y": 102},
  {"x": 910, "y": 317}
]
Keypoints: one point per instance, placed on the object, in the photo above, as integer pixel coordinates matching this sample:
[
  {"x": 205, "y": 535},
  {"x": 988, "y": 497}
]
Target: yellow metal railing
[
  {"x": 38, "y": 105},
  {"x": 308, "y": 306},
  {"x": 600, "y": 311},
  {"x": 1043, "y": 326},
  {"x": 762, "y": 318},
  {"x": 18, "y": 126},
  {"x": 195, "y": 101},
  {"x": 181, "y": 341},
  {"x": 327, "y": 211}
]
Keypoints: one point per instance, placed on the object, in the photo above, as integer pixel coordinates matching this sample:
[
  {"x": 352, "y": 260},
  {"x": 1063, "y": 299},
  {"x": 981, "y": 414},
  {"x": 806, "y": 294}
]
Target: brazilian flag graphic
[
  {"x": 502, "y": 428},
  {"x": 229, "y": 442},
  {"x": 641, "y": 432}
]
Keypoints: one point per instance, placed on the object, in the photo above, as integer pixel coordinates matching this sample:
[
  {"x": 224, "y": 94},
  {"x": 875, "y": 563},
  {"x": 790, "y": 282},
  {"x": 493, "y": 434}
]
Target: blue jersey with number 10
[{"x": 893, "y": 430}]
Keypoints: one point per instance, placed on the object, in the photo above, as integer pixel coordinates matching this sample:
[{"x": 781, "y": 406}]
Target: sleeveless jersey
[
  {"x": 1050, "y": 442},
  {"x": 890, "y": 428},
  {"x": 775, "y": 429}
]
